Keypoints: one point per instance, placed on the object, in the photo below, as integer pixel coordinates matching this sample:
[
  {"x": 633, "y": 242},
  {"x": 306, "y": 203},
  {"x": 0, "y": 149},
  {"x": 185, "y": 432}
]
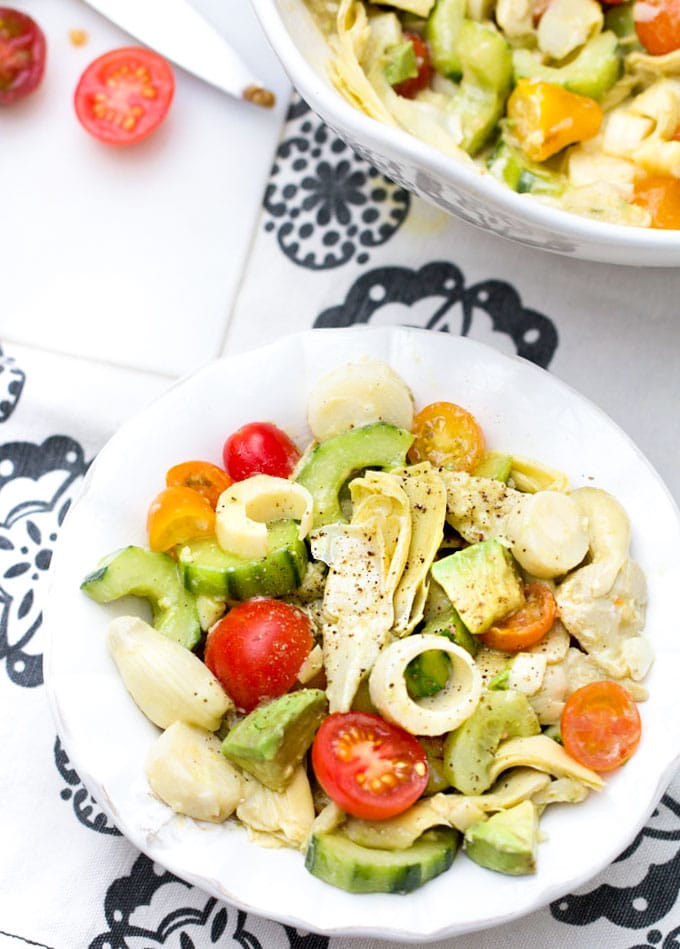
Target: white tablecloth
[{"x": 335, "y": 244}]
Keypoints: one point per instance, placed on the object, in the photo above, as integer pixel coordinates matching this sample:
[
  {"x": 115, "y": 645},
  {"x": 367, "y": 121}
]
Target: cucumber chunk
[
  {"x": 510, "y": 165},
  {"x": 592, "y": 72},
  {"x": 337, "y": 860},
  {"x": 134, "y": 571},
  {"x": 208, "y": 570},
  {"x": 330, "y": 464}
]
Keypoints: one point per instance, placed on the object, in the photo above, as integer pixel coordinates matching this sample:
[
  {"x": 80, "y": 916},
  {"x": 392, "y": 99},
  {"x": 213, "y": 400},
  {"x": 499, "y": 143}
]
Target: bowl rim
[{"x": 564, "y": 223}]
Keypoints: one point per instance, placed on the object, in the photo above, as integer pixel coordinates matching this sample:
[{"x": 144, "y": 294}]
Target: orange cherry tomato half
[
  {"x": 600, "y": 725},
  {"x": 22, "y": 55},
  {"x": 447, "y": 436},
  {"x": 409, "y": 88},
  {"x": 202, "y": 476},
  {"x": 661, "y": 196},
  {"x": 178, "y": 515},
  {"x": 527, "y": 625},
  {"x": 369, "y": 767},
  {"x": 124, "y": 95},
  {"x": 657, "y": 24}
]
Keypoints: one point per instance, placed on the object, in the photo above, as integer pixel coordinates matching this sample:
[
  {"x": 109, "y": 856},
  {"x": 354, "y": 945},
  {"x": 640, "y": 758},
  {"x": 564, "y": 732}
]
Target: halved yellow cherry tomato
[
  {"x": 201, "y": 476},
  {"x": 527, "y": 625},
  {"x": 177, "y": 515},
  {"x": 447, "y": 436},
  {"x": 600, "y": 725},
  {"x": 546, "y": 117}
]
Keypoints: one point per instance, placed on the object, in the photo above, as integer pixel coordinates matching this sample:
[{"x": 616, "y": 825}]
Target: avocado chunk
[
  {"x": 507, "y": 842},
  {"x": 401, "y": 63},
  {"x": 494, "y": 464},
  {"x": 511, "y": 166},
  {"x": 469, "y": 749},
  {"x": 271, "y": 741},
  {"x": 209, "y": 570},
  {"x": 450, "y": 624},
  {"x": 332, "y": 462},
  {"x": 428, "y": 672},
  {"x": 339, "y": 861},
  {"x": 134, "y": 571},
  {"x": 436, "y": 776},
  {"x": 482, "y": 583},
  {"x": 592, "y": 72}
]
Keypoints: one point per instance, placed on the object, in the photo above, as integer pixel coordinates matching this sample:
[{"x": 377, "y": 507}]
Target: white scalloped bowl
[
  {"x": 522, "y": 408},
  {"x": 457, "y": 189}
]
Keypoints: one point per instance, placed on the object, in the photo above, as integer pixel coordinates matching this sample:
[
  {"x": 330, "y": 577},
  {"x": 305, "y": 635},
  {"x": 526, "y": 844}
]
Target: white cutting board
[{"x": 131, "y": 255}]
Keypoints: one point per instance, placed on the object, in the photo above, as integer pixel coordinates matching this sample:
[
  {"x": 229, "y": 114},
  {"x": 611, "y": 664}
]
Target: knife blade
[{"x": 179, "y": 32}]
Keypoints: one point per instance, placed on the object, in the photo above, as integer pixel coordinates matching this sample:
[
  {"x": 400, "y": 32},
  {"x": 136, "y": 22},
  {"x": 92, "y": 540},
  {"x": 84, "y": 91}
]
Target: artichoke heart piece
[
  {"x": 427, "y": 502},
  {"x": 187, "y": 771},
  {"x": 379, "y": 499},
  {"x": 278, "y": 818},
  {"x": 453, "y": 810},
  {"x": 543, "y": 753},
  {"x": 357, "y": 615},
  {"x": 602, "y": 604},
  {"x": 345, "y": 65},
  {"x": 366, "y": 560},
  {"x": 545, "y": 531}
]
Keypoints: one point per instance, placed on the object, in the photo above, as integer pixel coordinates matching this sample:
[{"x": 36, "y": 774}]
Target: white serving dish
[
  {"x": 521, "y": 408},
  {"x": 456, "y": 188}
]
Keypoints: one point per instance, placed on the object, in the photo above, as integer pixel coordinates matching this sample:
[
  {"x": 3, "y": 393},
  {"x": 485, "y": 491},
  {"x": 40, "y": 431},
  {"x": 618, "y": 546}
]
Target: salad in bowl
[
  {"x": 371, "y": 648},
  {"x": 575, "y": 103}
]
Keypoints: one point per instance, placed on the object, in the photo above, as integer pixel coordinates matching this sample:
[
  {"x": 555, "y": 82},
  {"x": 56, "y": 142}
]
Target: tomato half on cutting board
[{"x": 124, "y": 95}]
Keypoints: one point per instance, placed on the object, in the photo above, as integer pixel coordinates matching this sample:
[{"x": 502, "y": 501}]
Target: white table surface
[{"x": 122, "y": 271}]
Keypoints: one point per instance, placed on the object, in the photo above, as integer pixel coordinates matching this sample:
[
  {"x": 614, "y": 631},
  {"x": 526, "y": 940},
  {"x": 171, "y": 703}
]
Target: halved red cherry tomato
[
  {"x": 178, "y": 515},
  {"x": 600, "y": 725},
  {"x": 447, "y": 436},
  {"x": 369, "y": 767},
  {"x": 257, "y": 650},
  {"x": 657, "y": 24},
  {"x": 124, "y": 95},
  {"x": 202, "y": 476},
  {"x": 411, "y": 87},
  {"x": 22, "y": 55},
  {"x": 661, "y": 196},
  {"x": 259, "y": 448},
  {"x": 527, "y": 625}
]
